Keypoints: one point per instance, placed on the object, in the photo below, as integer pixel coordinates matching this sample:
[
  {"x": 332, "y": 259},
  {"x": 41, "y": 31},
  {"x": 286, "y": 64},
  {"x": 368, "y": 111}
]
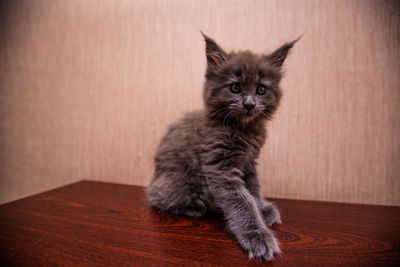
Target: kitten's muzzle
[{"x": 249, "y": 103}]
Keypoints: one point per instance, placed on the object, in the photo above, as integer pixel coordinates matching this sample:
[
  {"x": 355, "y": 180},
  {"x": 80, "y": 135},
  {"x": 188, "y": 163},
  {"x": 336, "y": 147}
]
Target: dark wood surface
[{"x": 94, "y": 223}]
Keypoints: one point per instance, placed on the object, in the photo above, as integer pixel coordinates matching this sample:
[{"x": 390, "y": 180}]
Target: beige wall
[{"x": 87, "y": 88}]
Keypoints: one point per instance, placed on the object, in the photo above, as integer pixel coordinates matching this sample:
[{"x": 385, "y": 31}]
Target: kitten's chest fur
[
  {"x": 236, "y": 146},
  {"x": 195, "y": 147},
  {"x": 226, "y": 146}
]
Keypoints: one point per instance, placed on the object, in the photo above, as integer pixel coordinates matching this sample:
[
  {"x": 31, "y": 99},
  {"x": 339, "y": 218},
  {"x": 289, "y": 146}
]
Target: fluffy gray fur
[{"x": 207, "y": 160}]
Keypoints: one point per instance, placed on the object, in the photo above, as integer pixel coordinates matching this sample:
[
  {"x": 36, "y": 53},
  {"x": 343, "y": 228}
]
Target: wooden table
[{"x": 95, "y": 223}]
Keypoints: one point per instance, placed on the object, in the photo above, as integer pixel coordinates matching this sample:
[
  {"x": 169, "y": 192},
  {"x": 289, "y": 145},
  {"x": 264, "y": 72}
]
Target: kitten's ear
[
  {"x": 278, "y": 57},
  {"x": 215, "y": 55}
]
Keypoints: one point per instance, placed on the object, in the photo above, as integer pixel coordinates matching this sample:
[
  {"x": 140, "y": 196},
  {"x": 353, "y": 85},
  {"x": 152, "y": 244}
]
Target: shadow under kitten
[{"x": 206, "y": 162}]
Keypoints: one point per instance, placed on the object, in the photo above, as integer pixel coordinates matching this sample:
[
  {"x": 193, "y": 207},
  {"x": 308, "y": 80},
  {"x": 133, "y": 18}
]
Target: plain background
[{"x": 88, "y": 88}]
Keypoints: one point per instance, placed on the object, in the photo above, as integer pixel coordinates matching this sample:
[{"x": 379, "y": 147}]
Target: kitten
[{"x": 207, "y": 160}]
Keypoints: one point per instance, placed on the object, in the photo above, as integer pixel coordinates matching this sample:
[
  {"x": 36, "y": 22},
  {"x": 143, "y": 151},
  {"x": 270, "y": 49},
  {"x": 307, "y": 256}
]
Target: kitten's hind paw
[
  {"x": 271, "y": 215},
  {"x": 260, "y": 244}
]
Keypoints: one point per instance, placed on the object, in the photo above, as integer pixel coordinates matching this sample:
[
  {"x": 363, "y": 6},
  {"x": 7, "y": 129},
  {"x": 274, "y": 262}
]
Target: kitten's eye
[
  {"x": 261, "y": 90},
  {"x": 235, "y": 88}
]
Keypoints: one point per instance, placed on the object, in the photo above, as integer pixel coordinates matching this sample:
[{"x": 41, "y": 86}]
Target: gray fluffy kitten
[{"x": 207, "y": 160}]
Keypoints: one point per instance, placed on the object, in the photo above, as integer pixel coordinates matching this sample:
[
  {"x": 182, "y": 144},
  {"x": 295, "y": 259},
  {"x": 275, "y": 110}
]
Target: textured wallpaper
[{"x": 87, "y": 89}]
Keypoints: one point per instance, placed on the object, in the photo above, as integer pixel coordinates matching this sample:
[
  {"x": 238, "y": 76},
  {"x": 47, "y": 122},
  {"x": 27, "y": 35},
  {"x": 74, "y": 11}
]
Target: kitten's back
[{"x": 177, "y": 186}]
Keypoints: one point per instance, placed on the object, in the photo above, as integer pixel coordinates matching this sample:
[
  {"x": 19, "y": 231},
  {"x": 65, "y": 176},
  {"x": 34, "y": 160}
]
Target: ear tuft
[
  {"x": 278, "y": 57},
  {"x": 215, "y": 55}
]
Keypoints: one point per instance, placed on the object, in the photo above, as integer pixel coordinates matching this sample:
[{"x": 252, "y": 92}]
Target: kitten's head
[{"x": 242, "y": 87}]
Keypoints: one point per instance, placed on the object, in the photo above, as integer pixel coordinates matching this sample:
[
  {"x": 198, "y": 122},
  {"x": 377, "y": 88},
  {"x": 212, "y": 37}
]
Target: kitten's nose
[
  {"x": 249, "y": 103},
  {"x": 249, "y": 106}
]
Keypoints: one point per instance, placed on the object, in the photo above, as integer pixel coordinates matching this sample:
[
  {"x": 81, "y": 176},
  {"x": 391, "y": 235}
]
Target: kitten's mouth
[{"x": 247, "y": 115}]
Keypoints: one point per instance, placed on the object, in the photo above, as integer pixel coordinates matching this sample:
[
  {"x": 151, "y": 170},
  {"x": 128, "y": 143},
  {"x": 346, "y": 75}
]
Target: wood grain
[
  {"x": 97, "y": 224},
  {"x": 87, "y": 89}
]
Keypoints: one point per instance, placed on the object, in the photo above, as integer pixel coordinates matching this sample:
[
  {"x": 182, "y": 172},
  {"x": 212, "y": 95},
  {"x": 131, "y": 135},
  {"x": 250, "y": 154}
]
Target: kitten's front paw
[
  {"x": 260, "y": 244},
  {"x": 271, "y": 215}
]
